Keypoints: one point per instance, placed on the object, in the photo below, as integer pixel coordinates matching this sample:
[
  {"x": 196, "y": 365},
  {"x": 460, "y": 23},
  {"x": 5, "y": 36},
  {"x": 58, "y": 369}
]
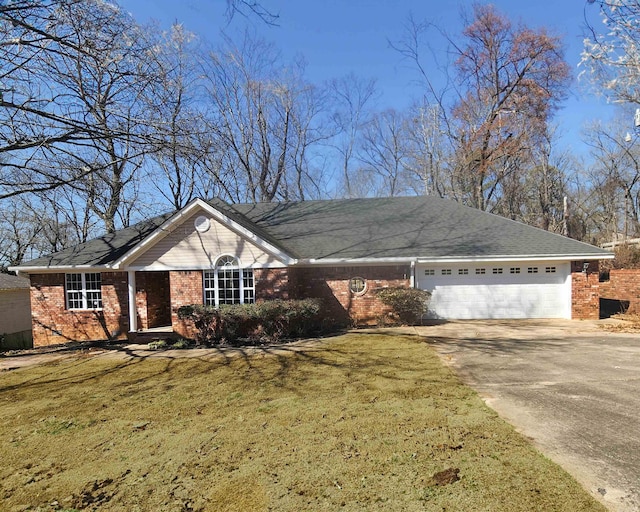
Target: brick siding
[
  {"x": 53, "y": 323},
  {"x": 623, "y": 285},
  {"x": 187, "y": 287},
  {"x": 271, "y": 283},
  {"x": 332, "y": 285},
  {"x": 153, "y": 299},
  {"x": 585, "y": 291}
]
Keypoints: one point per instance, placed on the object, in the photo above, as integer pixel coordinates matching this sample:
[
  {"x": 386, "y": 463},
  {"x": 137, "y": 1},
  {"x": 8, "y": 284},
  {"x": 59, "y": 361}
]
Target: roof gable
[{"x": 185, "y": 246}]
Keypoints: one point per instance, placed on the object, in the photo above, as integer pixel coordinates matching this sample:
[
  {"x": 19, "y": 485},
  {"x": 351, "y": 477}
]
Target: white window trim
[
  {"x": 241, "y": 278},
  {"x": 83, "y": 292},
  {"x": 352, "y": 280}
]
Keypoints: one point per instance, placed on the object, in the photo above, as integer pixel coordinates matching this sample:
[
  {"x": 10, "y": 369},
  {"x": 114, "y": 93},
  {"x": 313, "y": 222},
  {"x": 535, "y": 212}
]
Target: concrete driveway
[{"x": 570, "y": 386}]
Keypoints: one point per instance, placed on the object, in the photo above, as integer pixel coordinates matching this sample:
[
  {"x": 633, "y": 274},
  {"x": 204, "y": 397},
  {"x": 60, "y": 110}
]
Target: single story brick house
[{"x": 477, "y": 265}]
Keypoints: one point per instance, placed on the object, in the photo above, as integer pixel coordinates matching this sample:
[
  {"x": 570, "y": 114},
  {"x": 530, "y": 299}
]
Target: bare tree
[
  {"x": 248, "y": 8},
  {"x": 351, "y": 97},
  {"x": 90, "y": 77},
  {"x": 33, "y": 118},
  {"x": 384, "y": 153},
  {"x": 615, "y": 179},
  {"x": 504, "y": 74},
  {"x": 610, "y": 57},
  {"x": 20, "y": 231},
  {"x": 430, "y": 152},
  {"x": 176, "y": 164},
  {"x": 547, "y": 185},
  {"x": 263, "y": 119}
]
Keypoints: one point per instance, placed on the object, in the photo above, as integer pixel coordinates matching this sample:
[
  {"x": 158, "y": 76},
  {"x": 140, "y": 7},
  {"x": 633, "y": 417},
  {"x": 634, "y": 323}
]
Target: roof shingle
[
  {"x": 423, "y": 227},
  {"x": 9, "y": 282}
]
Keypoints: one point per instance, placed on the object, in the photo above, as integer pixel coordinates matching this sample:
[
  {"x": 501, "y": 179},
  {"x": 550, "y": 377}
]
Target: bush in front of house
[
  {"x": 262, "y": 322},
  {"x": 408, "y": 305}
]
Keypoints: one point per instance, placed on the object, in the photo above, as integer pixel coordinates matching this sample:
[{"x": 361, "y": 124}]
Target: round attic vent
[{"x": 201, "y": 224}]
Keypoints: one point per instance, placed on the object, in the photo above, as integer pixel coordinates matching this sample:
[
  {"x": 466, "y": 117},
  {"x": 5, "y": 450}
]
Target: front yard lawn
[{"x": 355, "y": 422}]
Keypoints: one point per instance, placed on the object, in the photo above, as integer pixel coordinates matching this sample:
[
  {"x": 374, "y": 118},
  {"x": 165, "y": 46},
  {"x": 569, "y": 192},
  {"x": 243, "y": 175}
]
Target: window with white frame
[
  {"x": 429, "y": 272},
  {"x": 532, "y": 270},
  {"x": 445, "y": 272},
  {"x": 514, "y": 270},
  {"x": 481, "y": 271},
  {"x": 463, "y": 271},
  {"x": 550, "y": 270},
  {"x": 83, "y": 290},
  {"x": 357, "y": 285},
  {"x": 228, "y": 283},
  {"x": 497, "y": 270}
]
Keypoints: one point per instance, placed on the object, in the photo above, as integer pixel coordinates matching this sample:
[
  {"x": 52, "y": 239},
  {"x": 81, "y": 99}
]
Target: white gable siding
[{"x": 185, "y": 248}]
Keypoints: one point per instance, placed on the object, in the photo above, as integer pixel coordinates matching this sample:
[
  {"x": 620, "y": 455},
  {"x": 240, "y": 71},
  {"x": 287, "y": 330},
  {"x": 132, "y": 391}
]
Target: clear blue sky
[{"x": 337, "y": 37}]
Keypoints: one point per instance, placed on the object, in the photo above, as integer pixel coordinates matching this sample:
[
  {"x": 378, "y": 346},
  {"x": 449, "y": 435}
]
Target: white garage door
[{"x": 504, "y": 290}]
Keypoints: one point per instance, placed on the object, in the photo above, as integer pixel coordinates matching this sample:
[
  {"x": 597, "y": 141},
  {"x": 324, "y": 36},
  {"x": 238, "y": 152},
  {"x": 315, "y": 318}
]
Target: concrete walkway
[{"x": 571, "y": 386}]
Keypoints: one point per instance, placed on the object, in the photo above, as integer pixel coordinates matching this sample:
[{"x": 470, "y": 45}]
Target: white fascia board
[
  {"x": 477, "y": 259},
  {"x": 59, "y": 268},
  {"x": 498, "y": 259},
  {"x": 165, "y": 229},
  {"x": 354, "y": 261}
]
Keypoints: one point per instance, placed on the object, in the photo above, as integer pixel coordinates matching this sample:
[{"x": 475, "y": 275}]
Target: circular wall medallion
[{"x": 201, "y": 224}]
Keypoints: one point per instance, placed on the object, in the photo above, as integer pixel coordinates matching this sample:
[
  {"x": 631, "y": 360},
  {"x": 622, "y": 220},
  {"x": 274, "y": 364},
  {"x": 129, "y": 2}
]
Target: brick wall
[
  {"x": 54, "y": 323},
  {"x": 585, "y": 291},
  {"x": 623, "y": 285},
  {"x": 332, "y": 285},
  {"x": 153, "y": 299},
  {"x": 271, "y": 283},
  {"x": 187, "y": 287}
]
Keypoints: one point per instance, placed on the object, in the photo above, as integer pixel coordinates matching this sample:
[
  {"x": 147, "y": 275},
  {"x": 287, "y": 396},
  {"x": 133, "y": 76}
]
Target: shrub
[
  {"x": 264, "y": 321},
  {"x": 206, "y": 320},
  {"x": 158, "y": 345},
  {"x": 169, "y": 344},
  {"x": 407, "y": 304}
]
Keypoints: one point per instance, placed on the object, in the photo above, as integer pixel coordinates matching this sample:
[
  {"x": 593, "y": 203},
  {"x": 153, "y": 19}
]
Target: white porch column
[
  {"x": 412, "y": 282},
  {"x": 133, "y": 316}
]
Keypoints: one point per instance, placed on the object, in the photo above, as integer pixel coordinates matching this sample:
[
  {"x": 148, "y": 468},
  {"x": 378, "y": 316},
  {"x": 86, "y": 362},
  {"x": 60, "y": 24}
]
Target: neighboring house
[
  {"x": 15, "y": 312},
  {"x": 476, "y": 265}
]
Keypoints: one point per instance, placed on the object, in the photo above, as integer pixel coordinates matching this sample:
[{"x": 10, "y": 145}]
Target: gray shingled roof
[
  {"x": 9, "y": 282},
  {"x": 103, "y": 250},
  {"x": 425, "y": 227},
  {"x": 399, "y": 227}
]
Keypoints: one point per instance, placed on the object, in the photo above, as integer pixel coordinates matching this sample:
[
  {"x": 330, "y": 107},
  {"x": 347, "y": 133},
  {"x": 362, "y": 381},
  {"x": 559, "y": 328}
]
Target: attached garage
[{"x": 512, "y": 289}]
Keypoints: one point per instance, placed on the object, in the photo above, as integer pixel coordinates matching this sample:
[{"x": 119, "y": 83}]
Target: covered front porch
[{"x": 149, "y": 305}]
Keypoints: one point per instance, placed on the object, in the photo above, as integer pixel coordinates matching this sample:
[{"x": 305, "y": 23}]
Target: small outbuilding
[{"x": 15, "y": 312}]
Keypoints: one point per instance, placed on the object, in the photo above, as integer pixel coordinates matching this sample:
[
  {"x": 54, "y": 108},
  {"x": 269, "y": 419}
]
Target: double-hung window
[
  {"x": 83, "y": 291},
  {"x": 228, "y": 283}
]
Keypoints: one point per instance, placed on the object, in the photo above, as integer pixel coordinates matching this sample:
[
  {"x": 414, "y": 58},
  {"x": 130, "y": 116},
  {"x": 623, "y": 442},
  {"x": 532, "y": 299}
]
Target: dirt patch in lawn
[{"x": 358, "y": 422}]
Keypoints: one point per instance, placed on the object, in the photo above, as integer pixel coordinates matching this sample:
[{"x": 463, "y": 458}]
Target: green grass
[{"x": 356, "y": 422}]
